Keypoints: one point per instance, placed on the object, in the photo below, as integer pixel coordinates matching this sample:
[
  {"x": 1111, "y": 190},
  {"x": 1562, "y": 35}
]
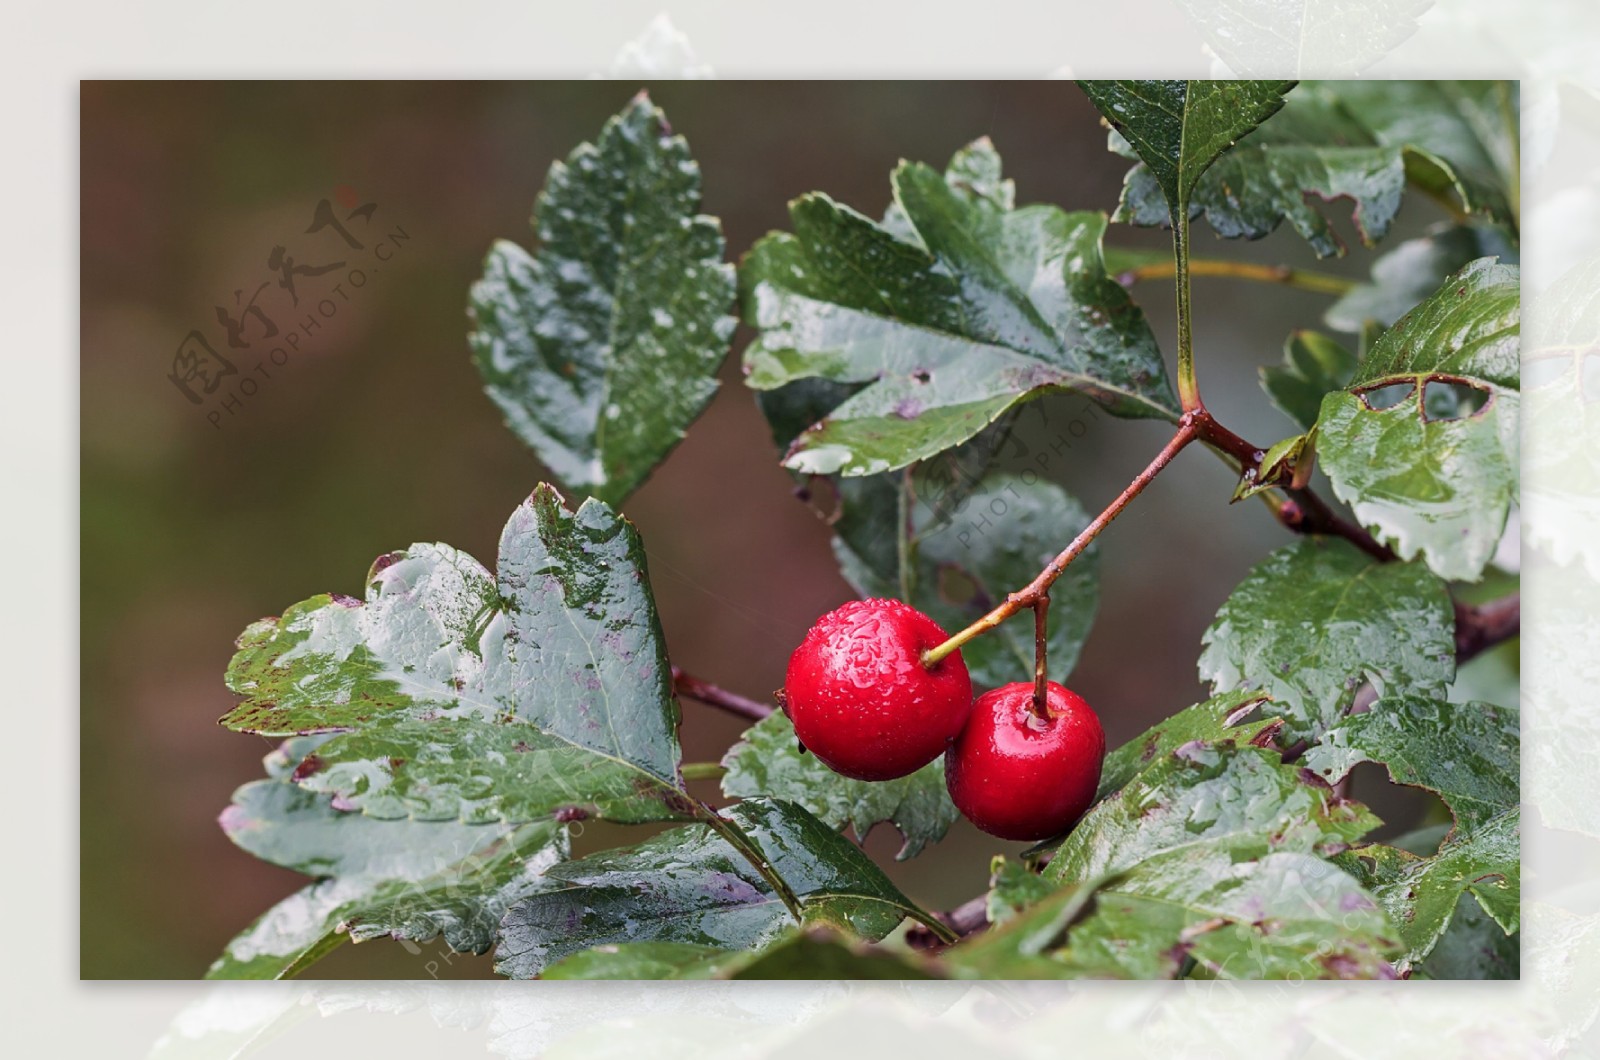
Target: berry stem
[
  {"x": 1041, "y": 700},
  {"x": 1187, "y": 432}
]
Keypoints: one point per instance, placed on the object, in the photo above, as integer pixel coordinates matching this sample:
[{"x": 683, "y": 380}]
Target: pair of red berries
[{"x": 863, "y": 702}]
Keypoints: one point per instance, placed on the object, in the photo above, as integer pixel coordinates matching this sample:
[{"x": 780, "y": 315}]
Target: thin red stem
[
  {"x": 1025, "y": 597},
  {"x": 1041, "y": 615}
]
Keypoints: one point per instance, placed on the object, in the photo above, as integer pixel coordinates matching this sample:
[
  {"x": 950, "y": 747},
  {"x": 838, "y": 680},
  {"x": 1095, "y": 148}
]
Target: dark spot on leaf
[
  {"x": 922, "y": 375},
  {"x": 1343, "y": 966},
  {"x": 1268, "y": 735},
  {"x": 1311, "y": 779},
  {"x": 385, "y": 561},
  {"x": 1150, "y": 744},
  {"x": 572, "y": 813},
  {"x": 309, "y": 765},
  {"x": 345, "y": 601},
  {"x": 1496, "y": 876},
  {"x": 396, "y": 763}
]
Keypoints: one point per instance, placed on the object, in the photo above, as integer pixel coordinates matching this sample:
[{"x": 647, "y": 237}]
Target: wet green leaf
[
  {"x": 603, "y": 346},
  {"x": 1423, "y": 444},
  {"x": 1313, "y": 365},
  {"x": 1412, "y": 271},
  {"x": 544, "y": 689},
  {"x": 1318, "y": 617},
  {"x": 768, "y": 761},
  {"x": 689, "y": 885},
  {"x": 1178, "y": 129},
  {"x": 814, "y": 953},
  {"x": 1421, "y": 893},
  {"x": 985, "y": 308},
  {"x": 1473, "y": 946},
  {"x": 401, "y": 879},
  {"x": 1231, "y": 719},
  {"x": 1288, "y": 915},
  {"x": 1356, "y": 141},
  {"x": 1244, "y": 801},
  {"x": 964, "y": 557},
  {"x": 1013, "y": 887},
  {"x": 1027, "y": 945},
  {"x": 1468, "y": 753}
]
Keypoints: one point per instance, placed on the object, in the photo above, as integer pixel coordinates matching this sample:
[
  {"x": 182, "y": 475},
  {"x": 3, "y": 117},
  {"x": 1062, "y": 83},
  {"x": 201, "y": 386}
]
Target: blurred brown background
[{"x": 377, "y": 434}]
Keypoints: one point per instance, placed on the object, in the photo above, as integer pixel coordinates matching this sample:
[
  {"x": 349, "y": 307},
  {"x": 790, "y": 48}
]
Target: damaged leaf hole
[{"x": 1441, "y": 399}]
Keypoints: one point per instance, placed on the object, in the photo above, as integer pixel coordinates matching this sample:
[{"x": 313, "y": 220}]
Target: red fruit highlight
[
  {"x": 862, "y": 701},
  {"x": 1021, "y": 777}
]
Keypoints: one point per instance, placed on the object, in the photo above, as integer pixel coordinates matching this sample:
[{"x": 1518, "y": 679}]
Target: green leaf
[
  {"x": 1467, "y": 753},
  {"x": 985, "y": 308},
  {"x": 1013, "y": 887},
  {"x": 1412, "y": 271},
  {"x": 1318, "y": 617},
  {"x": 1242, "y": 800},
  {"x": 1178, "y": 129},
  {"x": 1473, "y": 946},
  {"x": 1229, "y": 719},
  {"x": 402, "y": 879},
  {"x": 768, "y": 761},
  {"x": 1028, "y": 944},
  {"x": 1288, "y": 915},
  {"x": 544, "y": 689},
  {"x": 812, "y": 953},
  {"x": 961, "y": 561},
  {"x": 1430, "y": 478},
  {"x": 1313, "y": 365},
  {"x": 1356, "y": 141},
  {"x": 690, "y": 885},
  {"x": 1421, "y": 893},
  {"x": 603, "y": 347}
]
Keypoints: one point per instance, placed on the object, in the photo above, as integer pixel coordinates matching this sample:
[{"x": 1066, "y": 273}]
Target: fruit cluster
[{"x": 863, "y": 701}]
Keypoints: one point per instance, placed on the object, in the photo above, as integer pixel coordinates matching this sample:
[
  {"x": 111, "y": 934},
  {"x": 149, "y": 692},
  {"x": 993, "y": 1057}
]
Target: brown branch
[
  {"x": 1480, "y": 627},
  {"x": 1300, "y": 510},
  {"x": 691, "y": 687},
  {"x": 965, "y": 919}
]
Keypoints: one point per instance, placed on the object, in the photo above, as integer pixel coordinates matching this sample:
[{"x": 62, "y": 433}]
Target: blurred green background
[{"x": 377, "y": 434}]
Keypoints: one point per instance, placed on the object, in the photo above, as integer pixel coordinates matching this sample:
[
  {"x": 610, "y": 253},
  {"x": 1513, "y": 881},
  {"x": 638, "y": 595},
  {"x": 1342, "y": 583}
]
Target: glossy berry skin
[
  {"x": 1018, "y": 777},
  {"x": 862, "y": 701}
]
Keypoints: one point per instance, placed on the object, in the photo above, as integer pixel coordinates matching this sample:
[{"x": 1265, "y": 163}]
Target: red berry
[
  {"x": 862, "y": 701},
  {"x": 1018, "y": 776}
]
